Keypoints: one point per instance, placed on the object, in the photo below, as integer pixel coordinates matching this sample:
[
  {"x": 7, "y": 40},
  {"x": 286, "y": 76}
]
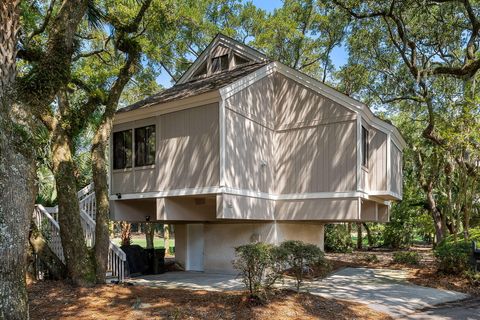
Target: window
[
  {"x": 220, "y": 63},
  {"x": 364, "y": 147},
  {"x": 122, "y": 149},
  {"x": 144, "y": 146},
  {"x": 239, "y": 60}
]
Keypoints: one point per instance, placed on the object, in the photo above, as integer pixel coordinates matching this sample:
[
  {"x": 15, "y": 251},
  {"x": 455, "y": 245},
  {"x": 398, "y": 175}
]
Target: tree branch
[{"x": 44, "y": 24}]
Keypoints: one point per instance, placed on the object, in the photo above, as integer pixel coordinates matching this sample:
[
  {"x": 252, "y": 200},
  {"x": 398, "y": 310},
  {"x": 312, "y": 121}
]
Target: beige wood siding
[
  {"x": 135, "y": 179},
  {"x": 316, "y": 159},
  {"x": 312, "y": 149},
  {"x": 133, "y": 210},
  {"x": 186, "y": 208},
  {"x": 396, "y": 170},
  {"x": 383, "y": 213},
  {"x": 256, "y": 102},
  {"x": 187, "y": 153},
  {"x": 369, "y": 210},
  {"x": 317, "y": 209},
  {"x": 298, "y": 105},
  {"x": 249, "y": 162},
  {"x": 188, "y": 149},
  {"x": 242, "y": 207},
  {"x": 377, "y": 164},
  {"x": 122, "y": 181}
]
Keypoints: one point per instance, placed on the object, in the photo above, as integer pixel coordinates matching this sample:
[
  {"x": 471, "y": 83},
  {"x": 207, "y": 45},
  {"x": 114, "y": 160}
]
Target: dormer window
[
  {"x": 239, "y": 60},
  {"x": 220, "y": 63}
]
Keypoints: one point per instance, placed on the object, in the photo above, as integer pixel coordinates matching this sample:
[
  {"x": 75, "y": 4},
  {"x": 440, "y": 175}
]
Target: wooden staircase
[{"x": 46, "y": 220}]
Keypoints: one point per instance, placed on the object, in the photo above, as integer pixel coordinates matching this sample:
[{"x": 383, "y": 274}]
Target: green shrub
[
  {"x": 369, "y": 258},
  {"x": 453, "y": 254},
  {"x": 337, "y": 238},
  {"x": 453, "y": 257},
  {"x": 407, "y": 257},
  {"x": 473, "y": 277},
  {"x": 301, "y": 258},
  {"x": 256, "y": 262}
]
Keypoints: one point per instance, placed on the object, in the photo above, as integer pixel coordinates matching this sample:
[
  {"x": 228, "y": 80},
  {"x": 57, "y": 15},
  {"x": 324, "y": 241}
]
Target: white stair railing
[{"x": 50, "y": 228}]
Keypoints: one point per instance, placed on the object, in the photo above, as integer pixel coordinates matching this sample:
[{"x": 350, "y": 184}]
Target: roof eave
[{"x": 158, "y": 108}]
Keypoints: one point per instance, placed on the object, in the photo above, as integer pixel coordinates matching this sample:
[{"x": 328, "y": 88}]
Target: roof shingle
[{"x": 195, "y": 87}]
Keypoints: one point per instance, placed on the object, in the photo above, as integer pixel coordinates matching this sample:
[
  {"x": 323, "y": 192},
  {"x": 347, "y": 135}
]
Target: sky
[{"x": 339, "y": 55}]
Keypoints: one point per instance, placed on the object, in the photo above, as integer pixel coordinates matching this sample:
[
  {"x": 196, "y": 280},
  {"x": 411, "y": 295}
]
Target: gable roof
[
  {"x": 222, "y": 40},
  {"x": 195, "y": 87},
  {"x": 230, "y": 81}
]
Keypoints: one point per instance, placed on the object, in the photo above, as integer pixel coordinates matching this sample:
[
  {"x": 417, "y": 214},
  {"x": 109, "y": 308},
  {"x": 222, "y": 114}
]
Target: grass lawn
[{"x": 157, "y": 242}]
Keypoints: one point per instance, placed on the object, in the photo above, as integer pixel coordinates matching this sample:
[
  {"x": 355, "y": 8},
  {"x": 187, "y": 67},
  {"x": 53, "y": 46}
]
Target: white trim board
[
  {"x": 254, "y": 194},
  {"x": 246, "y": 81},
  {"x": 222, "y": 138}
]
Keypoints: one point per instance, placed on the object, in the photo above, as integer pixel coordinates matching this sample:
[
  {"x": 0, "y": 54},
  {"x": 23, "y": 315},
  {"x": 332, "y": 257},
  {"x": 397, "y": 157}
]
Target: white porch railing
[
  {"x": 48, "y": 225},
  {"x": 50, "y": 230}
]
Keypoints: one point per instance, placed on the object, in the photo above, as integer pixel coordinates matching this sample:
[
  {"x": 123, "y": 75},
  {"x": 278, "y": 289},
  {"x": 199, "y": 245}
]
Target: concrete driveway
[
  {"x": 463, "y": 310},
  {"x": 382, "y": 289}
]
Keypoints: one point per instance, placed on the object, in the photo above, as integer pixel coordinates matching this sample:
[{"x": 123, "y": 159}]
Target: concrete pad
[
  {"x": 463, "y": 310},
  {"x": 190, "y": 280},
  {"x": 382, "y": 289}
]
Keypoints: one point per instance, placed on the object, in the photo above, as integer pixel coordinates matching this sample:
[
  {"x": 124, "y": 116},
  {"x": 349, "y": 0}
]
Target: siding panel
[
  {"x": 298, "y": 105},
  {"x": 317, "y": 209},
  {"x": 377, "y": 165},
  {"x": 316, "y": 159},
  {"x": 188, "y": 149},
  {"x": 396, "y": 170}
]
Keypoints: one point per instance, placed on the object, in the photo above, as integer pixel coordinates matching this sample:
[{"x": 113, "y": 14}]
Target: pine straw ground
[
  {"x": 425, "y": 274},
  {"x": 58, "y": 300}
]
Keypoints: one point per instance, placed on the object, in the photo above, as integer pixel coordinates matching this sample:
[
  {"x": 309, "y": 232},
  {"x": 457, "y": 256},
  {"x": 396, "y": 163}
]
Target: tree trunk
[
  {"x": 349, "y": 231},
  {"x": 359, "y": 236},
  {"x": 166, "y": 238},
  {"x": 17, "y": 176},
  {"x": 17, "y": 198},
  {"x": 438, "y": 221},
  {"x": 149, "y": 234},
  {"x": 55, "y": 266},
  {"x": 126, "y": 235},
  {"x": 100, "y": 181},
  {"x": 369, "y": 234},
  {"x": 79, "y": 263}
]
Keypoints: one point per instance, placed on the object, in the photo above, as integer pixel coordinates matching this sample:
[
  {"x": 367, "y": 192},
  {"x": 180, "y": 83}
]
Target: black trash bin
[
  {"x": 156, "y": 261},
  {"x": 137, "y": 260}
]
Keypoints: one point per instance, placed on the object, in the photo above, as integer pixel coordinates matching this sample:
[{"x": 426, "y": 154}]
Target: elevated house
[{"x": 246, "y": 149}]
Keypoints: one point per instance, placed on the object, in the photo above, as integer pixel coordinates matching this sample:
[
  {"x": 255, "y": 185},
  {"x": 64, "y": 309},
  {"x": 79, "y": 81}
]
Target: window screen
[
  {"x": 365, "y": 147},
  {"x": 220, "y": 63},
  {"x": 122, "y": 149},
  {"x": 145, "y": 146}
]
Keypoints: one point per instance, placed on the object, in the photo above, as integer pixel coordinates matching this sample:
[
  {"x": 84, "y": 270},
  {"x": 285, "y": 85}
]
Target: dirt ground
[
  {"x": 425, "y": 274},
  {"x": 58, "y": 300}
]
